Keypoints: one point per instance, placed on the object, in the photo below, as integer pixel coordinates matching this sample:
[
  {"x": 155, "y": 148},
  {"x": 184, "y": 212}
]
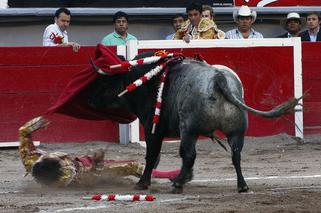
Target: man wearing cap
[
  {"x": 244, "y": 18},
  {"x": 293, "y": 24},
  {"x": 313, "y": 33}
]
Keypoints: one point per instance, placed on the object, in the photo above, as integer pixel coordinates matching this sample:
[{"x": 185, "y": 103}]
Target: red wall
[
  {"x": 33, "y": 77},
  {"x": 279, "y": 3},
  {"x": 311, "y": 69},
  {"x": 266, "y": 82},
  {"x": 31, "y": 80}
]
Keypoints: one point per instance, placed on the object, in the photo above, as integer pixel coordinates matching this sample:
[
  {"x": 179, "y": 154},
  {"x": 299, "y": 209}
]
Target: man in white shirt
[
  {"x": 56, "y": 34},
  {"x": 244, "y": 18}
]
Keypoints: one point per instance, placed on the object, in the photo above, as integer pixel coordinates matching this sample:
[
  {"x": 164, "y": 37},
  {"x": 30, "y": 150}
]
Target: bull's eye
[{"x": 212, "y": 98}]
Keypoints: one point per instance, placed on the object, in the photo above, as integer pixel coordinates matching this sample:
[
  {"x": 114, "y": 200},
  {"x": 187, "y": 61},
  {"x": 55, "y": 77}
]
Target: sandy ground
[{"x": 283, "y": 176}]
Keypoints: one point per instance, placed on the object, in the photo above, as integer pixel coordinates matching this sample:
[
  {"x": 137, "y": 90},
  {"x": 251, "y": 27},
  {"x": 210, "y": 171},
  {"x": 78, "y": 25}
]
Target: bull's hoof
[
  {"x": 177, "y": 189},
  {"x": 190, "y": 176},
  {"x": 243, "y": 189},
  {"x": 141, "y": 186}
]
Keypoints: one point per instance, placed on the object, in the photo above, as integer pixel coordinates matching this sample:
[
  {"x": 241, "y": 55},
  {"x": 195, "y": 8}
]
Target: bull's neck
[{"x": 142, "y": 100}]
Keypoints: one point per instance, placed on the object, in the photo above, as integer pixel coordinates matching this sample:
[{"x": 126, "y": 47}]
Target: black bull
[{"x": 198, "y": 99}]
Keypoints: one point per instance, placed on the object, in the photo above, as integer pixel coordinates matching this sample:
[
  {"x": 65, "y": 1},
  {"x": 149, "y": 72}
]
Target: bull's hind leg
[
  {"x": 153, "y": 145},
  {"x": 236, "y": 142},
  {"x": 188, "y": 154}
]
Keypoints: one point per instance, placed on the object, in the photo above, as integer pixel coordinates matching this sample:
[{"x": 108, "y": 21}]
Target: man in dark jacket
[
  {"x": 313, "y": 33},
  {"x": 293, "y": 25}
]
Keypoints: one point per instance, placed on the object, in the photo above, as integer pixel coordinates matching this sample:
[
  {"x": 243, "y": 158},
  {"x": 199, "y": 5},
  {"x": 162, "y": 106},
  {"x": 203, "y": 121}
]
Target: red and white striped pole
[
  {"x": 115, "y": 197},
  {"x": 159, "y": 101},
  {"x": 143, "y": 79}
]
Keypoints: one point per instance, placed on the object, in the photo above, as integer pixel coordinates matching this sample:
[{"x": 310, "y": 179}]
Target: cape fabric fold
[{"x": 73, "y": 101}]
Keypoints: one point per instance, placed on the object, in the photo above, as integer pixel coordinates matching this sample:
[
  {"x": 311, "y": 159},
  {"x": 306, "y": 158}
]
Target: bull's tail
[{"x": 277, "y": 111}]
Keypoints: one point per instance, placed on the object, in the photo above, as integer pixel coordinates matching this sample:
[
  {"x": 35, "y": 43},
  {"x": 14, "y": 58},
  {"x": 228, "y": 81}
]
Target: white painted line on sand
[
  {"x": 172, "y": 200},
  {"x": 81, "y": 208},
  {"x": 257, "y": 178},
  {"x": 295, "y": 187},
  {"x": 9, "y": 192},
  {"x": 107, "y": 206},
  {"x": 201, "y": 181}
]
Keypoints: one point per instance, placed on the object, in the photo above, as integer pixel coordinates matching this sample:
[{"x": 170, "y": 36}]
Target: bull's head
[
  {"x": 108, "y": 86},
  {"x": 105, "y": 89}
]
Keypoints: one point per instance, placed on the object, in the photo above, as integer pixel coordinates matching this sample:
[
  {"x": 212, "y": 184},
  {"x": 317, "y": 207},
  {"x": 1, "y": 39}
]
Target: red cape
[{"x": 73, "y": 101}]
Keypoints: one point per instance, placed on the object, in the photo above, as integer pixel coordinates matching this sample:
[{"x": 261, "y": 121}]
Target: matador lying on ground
[{"x": 59, "y": 169}]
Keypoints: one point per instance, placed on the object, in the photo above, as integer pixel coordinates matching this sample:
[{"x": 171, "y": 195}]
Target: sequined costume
[
  {"x": 206, "y": 29},
  {"x": 69, "y": 170}
]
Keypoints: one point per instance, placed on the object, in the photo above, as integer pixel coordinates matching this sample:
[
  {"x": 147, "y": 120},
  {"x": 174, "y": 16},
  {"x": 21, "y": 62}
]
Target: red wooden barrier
[
  {"x": 33, "y": 77},
  {"x": 278, "y": 3},
  {"x": 31, "y": 80},
  {"x": 266, "y": 81},
  {"x": 311, "y": 65}
]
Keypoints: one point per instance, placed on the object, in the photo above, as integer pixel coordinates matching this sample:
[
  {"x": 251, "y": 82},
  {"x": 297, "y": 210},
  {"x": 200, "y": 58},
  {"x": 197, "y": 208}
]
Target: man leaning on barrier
[{"x": 56, "y": 34}]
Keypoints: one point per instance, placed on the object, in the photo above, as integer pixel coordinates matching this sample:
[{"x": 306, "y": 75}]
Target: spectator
[
  {"x": 293, "y": 25},
  {"x": 313, "y": 33},
  {"x": 56, "y": 34},
  {"x": 196, "y": 27},
  {"x": 177, "y": 21},
  {"x": 120, "y": 36},
  {"x": 244, "y": 18},
  {"x": 208, "y": 13}
]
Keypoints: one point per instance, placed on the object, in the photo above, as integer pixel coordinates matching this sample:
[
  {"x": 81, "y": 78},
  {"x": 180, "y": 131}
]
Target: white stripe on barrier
[
  {"x": 132, "y": 51},
  {"x": 123, "y": 128},
  {"x": 15, "y": 144},
  {"x": 205, "y": 43},
  {"x": 298, "y": 88}
]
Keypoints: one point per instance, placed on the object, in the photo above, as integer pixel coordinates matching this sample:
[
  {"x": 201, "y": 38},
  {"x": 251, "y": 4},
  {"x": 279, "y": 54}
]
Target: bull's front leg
[
  {"x": 153, "y": 147},
  {"x": 187, "y": 152},
  {"x": 236, "y": 142}
]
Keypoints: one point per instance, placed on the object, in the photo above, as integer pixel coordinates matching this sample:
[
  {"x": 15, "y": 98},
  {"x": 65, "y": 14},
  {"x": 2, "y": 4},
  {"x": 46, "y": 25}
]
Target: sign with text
[
  {"x": 116, "y": 3},
  {"x": 277, "y": 3}
]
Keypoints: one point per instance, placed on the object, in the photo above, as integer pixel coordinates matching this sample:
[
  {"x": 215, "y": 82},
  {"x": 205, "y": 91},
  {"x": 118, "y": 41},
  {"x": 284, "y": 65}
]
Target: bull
[{"x": 198, "y": 99}]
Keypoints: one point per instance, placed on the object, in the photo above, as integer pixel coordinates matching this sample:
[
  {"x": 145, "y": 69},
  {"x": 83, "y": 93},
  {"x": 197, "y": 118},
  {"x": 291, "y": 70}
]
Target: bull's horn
[
  {"x": 96, "y": 68},
  {"x": 122, "y": 93}
]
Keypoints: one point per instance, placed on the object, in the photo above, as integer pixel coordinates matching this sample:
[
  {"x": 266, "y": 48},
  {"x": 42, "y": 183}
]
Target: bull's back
[{"x": 193, "y": 99}]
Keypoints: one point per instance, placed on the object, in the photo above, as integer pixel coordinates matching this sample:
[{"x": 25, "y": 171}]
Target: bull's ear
[{"x": 121, "y": 57}]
